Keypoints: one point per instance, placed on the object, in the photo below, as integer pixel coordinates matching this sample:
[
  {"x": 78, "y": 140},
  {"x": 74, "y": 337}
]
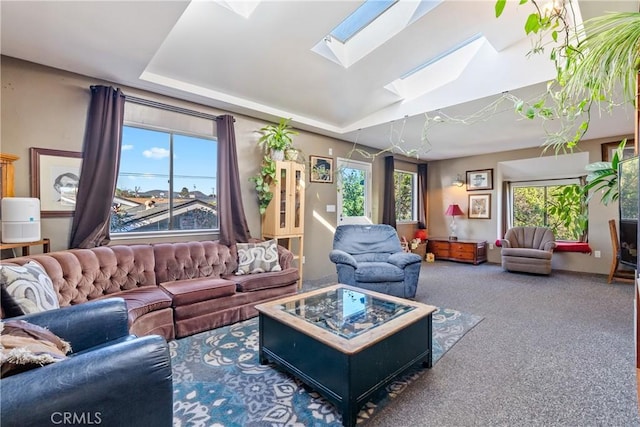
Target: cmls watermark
[{"x": 76, "y": 418}]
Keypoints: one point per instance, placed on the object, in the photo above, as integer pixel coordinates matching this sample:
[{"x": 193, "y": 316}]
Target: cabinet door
[{"x": 296, "y": 198}]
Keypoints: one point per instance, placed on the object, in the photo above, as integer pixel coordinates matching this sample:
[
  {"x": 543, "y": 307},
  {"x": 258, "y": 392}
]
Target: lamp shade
[{"x": 454, "y": 210}]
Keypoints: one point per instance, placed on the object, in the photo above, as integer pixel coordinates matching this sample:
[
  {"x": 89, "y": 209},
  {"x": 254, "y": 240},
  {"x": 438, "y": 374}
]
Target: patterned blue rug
[{"x": 218, "y": 381}]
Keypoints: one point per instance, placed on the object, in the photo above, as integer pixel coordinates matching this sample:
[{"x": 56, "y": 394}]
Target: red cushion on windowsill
[{"x": 562, "y": 246}]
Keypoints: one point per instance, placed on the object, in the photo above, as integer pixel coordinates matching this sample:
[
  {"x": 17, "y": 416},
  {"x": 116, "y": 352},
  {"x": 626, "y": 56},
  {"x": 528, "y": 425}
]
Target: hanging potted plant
[
  {"x": 263, "y": 181},
  {"x": 276, "y": 139}
]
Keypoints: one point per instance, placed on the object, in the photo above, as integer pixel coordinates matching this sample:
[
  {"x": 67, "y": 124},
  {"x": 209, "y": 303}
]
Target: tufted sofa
[{"x": 170, "y": 289}]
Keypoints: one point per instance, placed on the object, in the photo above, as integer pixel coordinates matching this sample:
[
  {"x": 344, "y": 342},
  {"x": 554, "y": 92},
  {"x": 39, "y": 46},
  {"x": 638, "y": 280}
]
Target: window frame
[
  {"x": 119, "y": 235},
  {"x": 544, "y": 183}
]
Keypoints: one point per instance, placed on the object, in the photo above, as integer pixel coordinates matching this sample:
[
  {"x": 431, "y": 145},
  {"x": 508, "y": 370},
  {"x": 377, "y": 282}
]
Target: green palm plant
[{"x": 603, "y": 177}]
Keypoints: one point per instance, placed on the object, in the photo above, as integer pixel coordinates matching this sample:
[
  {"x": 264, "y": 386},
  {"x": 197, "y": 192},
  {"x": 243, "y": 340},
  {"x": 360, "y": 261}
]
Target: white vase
[{"x": 277, "y": 155}]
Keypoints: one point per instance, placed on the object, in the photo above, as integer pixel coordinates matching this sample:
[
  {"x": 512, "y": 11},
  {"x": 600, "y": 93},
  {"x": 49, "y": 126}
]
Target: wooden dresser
[{"x": 471, "y": 251}]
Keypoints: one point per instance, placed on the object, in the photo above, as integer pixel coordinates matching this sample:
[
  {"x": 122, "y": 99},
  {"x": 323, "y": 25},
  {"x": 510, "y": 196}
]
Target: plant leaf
[{"x": 500, "y": 4}]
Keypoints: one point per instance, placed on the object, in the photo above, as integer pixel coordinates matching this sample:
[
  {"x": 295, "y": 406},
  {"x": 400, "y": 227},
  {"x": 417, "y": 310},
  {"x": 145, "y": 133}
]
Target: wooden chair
[{"x": 622, "y": 275}]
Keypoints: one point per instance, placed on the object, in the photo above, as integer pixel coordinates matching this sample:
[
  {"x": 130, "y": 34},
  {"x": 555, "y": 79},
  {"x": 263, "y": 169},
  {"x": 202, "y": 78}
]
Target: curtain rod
[{"x": 172, "y": 108}]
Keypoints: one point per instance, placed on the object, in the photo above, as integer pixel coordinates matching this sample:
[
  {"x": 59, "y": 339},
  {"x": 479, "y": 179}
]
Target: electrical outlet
[
  {"x": 303, "y": 259},
  {"x": 330, "y": 151},
  {"x": 596, "y": 254},
  {"x": 490, "y": 245}
]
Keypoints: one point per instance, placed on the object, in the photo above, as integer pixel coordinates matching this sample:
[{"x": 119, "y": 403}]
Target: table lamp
[{"x": 453, "y": 210}]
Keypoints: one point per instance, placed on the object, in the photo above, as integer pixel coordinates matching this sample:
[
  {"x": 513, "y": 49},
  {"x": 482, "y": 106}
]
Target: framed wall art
[
  {"x": 480, "y": 206},
  {"x": 480, "y": 180},
  {"x": 321, "y": 169},
  {"x": 54, "y": 180},
  {"x": 609, "y": 147}
]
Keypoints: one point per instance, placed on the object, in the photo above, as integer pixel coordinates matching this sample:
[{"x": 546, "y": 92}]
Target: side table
[{"x": 46, "y": 246}]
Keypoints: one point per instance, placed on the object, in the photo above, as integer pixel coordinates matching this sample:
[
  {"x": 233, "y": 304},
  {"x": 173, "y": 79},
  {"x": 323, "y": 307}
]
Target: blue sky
[{"x": 145, "y": 161}]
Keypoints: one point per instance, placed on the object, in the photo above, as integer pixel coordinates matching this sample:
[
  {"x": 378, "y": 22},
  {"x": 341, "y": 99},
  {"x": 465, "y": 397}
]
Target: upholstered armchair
[
  {"x": 109, "y": 378},
  {"x": 371, "y": 257},
  {"x": 528, "y": 249}
]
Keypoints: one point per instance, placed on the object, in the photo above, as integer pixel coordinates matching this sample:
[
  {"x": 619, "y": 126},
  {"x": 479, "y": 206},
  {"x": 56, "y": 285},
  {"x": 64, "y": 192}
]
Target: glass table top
[{"x": 345, "y": 312}]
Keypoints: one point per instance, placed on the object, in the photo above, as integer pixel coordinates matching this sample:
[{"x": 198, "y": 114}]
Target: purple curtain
[
  {"x": 389, "y": 202},
  {"x": 99, "y": 172},
  {"x": 422, "y": 195},
  {"x": 233, "y": 222}
]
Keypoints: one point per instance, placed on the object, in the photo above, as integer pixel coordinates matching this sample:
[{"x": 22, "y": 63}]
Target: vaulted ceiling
[{"x": 278, "y": 61}]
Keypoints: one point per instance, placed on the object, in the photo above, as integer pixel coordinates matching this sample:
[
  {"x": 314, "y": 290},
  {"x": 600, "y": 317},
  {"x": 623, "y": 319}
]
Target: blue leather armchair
[
  {"x": 111, "y": 378},
  {"x": 371, "y": 257}
]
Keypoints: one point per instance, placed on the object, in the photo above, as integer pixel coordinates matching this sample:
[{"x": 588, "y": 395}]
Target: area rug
[{"x": 218, "y": 381}]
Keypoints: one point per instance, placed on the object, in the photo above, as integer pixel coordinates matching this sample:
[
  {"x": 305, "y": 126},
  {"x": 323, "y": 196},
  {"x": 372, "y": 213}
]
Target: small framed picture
[
  {"x": 608, "y": 148},
  {"x": 480, "y": 206},
  {"x": 54, "y": 180},
  {"x": 321, "y": 169},
  {"x": 480, "y": 180}
]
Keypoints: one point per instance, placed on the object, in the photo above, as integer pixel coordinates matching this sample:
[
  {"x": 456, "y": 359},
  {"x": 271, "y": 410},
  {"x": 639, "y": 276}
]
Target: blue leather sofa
[
  {"x": 371, "y": 257},
  {"x": 111, "y": 378}
]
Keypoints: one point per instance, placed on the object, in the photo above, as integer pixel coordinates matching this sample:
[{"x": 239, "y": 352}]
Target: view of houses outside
[{"x": 167, "y": 181}]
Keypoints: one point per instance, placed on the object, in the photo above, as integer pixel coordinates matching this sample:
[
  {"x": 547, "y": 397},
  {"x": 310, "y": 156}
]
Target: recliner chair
[
  {"x": 528, "y": 249},
  {"x": 112, "y": 378},
  {"x": 371, "y": 257}
]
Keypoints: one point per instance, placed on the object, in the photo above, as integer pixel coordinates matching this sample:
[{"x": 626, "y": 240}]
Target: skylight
[
  {"x": 363, "y": 16},
  {"x": 369, "y": 27},
  {"x": 439, "y": 70}
]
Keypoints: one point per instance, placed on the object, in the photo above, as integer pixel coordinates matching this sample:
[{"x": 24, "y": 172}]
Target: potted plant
[
  {"x": 276, "y": 139},
  {"x": 263, "y": 181}
]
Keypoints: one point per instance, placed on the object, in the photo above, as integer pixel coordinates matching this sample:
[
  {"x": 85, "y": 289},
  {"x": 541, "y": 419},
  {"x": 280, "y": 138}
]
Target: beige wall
[{"x": 46, "y": 108}]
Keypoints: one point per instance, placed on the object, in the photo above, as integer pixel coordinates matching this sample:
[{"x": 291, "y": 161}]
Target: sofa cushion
[
  {"x": 258, "y": 257},
  {"x": 375, "y": 272},
  {"x": 184, "y": 292},
  {"x": 257, "y": 282},
  {"x": 25, "y": 346},
  {"x": 141, "y": 301},
  {"x": 30, "y": 287}
]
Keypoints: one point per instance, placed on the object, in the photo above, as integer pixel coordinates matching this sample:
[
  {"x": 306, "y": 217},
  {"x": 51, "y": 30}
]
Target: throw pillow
[
  {"x": 30, "y": 287},
  {"x": 257, "y": 257},
  {"x": 25, "y": 346}
]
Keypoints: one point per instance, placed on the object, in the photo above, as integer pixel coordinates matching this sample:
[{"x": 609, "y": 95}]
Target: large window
[
  {"x": 167, "y": 180},
  {"x": 559, "y": 205},
  {"x": 406, "y": 195}
]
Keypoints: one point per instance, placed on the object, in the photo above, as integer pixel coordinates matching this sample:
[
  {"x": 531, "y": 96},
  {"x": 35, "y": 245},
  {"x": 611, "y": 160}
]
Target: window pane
[
  {"x": 405, "y": 195},
  {"x": 194, "y": 183},
  {"x": 352, "y": 192},
  {"x": 143, "y": 181},
  {"x": 528, "y": 206}
]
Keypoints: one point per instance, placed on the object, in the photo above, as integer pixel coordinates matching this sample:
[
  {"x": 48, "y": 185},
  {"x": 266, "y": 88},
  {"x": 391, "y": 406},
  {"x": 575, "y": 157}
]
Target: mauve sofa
[{"x": 170, "y": 289}]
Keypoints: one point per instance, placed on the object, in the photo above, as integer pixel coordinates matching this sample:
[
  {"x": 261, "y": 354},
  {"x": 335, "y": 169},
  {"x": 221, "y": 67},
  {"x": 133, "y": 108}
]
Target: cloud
[
  {"x": 126, "y": 147},
  {"x": 156, "y": 153}
]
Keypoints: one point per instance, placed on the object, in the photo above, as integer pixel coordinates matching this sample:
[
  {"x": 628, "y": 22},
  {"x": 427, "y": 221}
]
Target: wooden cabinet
[
  {"x": 284, "y": 217},
  {"x": 471, "y": 251},
  {"x": 7, "y": 174}
]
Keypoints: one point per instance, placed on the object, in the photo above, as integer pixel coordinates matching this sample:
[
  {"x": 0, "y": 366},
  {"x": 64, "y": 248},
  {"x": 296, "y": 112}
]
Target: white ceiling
[{"x": 264, "y": 65}]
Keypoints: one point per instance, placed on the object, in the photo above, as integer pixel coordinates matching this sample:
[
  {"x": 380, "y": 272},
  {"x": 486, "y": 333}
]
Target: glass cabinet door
[{"x": 283, "y": 220}]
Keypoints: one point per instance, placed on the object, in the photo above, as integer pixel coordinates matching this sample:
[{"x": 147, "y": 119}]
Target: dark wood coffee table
[{"x": 345, "y": 342}]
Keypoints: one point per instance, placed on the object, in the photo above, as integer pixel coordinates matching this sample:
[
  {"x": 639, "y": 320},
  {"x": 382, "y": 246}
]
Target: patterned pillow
[
  {"x": 29, "y": 286},
  {"x": 257, "y": 257},
  {"x": 25, "y": 346}
]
